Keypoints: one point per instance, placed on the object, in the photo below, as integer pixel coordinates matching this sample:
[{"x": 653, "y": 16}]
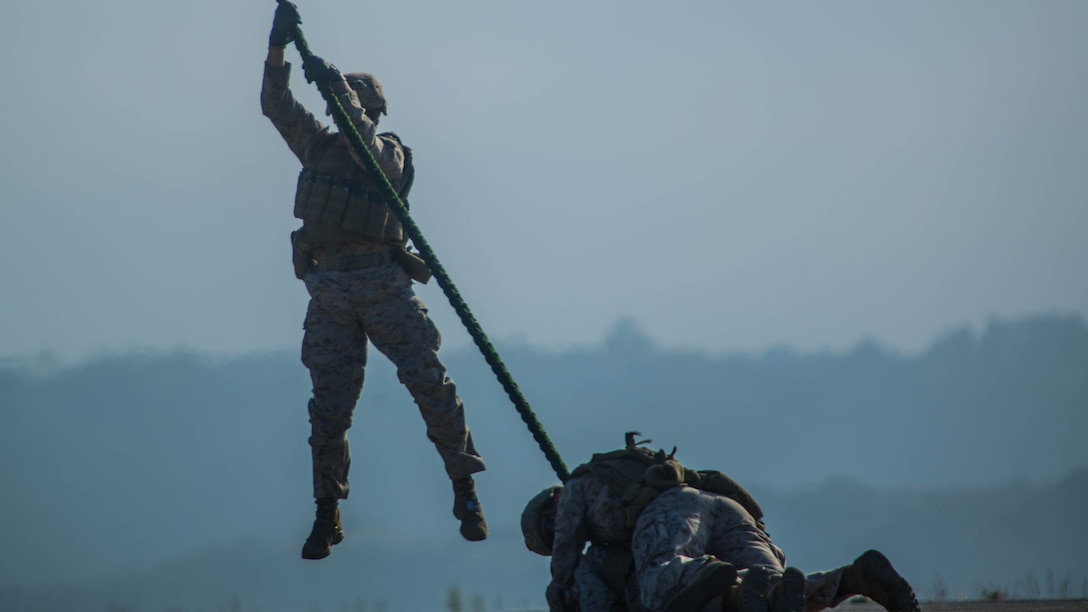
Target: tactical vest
[
  {"x": 335, "y": 193},
  {"x": 638, "y": 475}
]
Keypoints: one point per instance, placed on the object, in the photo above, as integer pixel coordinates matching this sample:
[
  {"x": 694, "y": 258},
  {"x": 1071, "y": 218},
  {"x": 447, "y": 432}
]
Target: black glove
[
  {"x": 317, "y": 69},
  {"x": 284, "y": 24}
]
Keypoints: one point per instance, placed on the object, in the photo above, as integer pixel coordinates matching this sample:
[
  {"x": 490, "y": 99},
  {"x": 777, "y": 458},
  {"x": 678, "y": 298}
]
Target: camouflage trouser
[
  {"x": 377, "y": 304},
  {"x": 594, "y": 595},
  {"x": 684, "y": 528}
]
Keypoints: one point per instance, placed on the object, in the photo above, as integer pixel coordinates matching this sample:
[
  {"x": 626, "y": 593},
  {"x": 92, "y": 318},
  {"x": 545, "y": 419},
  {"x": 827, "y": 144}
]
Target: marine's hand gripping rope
[{"x": 346, "y": 127}]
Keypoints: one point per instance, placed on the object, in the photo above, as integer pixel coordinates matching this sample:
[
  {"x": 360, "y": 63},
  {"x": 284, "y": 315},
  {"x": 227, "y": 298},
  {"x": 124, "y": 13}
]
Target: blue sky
[{"x": 732, "y": 176}]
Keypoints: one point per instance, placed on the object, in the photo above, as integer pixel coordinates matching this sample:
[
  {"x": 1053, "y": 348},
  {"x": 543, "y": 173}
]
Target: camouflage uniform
[
  {"x": 588, "y": 511},
  {"x": 592, "y": 591},
  {"x": 684, "y": 528},
  {"x": 352, "y": 307}
]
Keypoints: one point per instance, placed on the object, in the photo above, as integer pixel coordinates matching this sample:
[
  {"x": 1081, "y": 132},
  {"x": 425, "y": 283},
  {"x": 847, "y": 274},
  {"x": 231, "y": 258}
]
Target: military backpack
[{"x": 638, "y": 475}]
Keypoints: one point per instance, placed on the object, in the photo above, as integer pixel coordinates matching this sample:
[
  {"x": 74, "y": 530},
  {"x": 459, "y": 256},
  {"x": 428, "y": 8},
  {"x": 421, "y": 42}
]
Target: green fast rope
[{"x": 343, "y": 122}]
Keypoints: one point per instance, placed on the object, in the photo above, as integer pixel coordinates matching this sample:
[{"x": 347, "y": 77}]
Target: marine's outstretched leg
[
  {"x": 398, "y": 325},
  {"x": 334, "y": 350},
  {"x": 873, "y": 576}
]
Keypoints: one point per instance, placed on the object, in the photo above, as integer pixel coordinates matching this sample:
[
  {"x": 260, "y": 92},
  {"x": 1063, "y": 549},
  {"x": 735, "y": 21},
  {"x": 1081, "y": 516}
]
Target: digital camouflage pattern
[
  {"x": 659, "y": 562},
  {"x": 376, "y": 304},
  {"x": 350, "y": 309},
  {"x": 588, "y": 511},
  {"x": 684, "y": 528},
  {"x": 593, "y": 592}
]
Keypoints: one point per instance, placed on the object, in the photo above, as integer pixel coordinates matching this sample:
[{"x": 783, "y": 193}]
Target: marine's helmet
[
  {"x": 369, "y": 91},
  {"x": 538, "y": 520}
]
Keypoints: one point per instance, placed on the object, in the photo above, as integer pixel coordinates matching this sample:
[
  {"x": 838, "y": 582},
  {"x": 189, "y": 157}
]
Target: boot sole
[
  {"x": 714, "y": 583},
  {"x": 753, "y": 590},
  {"x": 474, "y": 531},
  {"x": 313, "y": 557},
  {"x": 791, "y": 595}
]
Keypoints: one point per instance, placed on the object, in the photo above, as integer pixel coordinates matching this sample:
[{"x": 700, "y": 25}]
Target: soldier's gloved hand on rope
[
  {"x": 284, "y": 25},
  {"x": 320, "y": 70}
]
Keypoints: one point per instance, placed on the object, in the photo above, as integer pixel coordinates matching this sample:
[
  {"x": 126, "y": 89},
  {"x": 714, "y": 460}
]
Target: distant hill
[
  {"x": 964, "y": 461},
  {"x": 951, "y": 544}
]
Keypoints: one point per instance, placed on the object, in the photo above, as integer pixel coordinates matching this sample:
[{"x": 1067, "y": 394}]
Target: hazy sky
[{"x": 732, "y": 176}]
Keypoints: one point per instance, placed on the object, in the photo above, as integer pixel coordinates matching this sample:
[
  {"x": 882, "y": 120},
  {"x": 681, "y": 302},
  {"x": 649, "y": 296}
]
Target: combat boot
[
  {"x": 790, "y": 591},
  {"x": 327, "y": 531},
  {"x": 710, "y": 581},
  {"x": 751, "y": 596},
  {"x": 466, "y": 508},
  {"x": 873, "y": 576}
]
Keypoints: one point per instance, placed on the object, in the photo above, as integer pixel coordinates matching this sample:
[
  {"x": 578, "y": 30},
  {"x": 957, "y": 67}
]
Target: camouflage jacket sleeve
[
  {"x": 298, "y": 126},
  {"x": 571, "y": 531},
  {"x": 304, "y": 134}
]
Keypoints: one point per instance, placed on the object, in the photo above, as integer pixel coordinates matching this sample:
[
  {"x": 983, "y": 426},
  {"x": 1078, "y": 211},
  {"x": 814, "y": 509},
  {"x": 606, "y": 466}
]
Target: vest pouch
[
  {"x": 301, "y": 253},
  {"x": 413, "y": 264},
  {"x": 337, "y": 202},
  {"x": 366, "y": 217},
  {"x": 317, "y": 202},
  {"x": 303, "y": 192}
]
